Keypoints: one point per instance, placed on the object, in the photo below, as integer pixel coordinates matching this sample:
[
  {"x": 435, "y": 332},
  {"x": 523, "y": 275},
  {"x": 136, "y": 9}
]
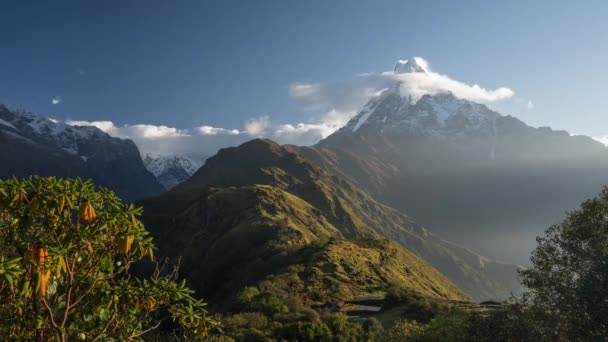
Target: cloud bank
[
  {"x": 201, "y": 141},
  {"x": 332, "y": 104},
  {"x": 205, "y": 141}
]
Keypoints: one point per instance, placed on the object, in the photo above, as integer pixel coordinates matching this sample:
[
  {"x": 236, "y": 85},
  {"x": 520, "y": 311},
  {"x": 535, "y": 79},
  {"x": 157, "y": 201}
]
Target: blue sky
[{"x": 186, "y": 64}]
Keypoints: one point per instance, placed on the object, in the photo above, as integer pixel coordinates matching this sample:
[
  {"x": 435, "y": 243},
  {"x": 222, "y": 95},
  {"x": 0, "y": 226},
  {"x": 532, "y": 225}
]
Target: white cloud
[
  {"x": 301, "y": 134},
  {"x": 133, "y": 131},
  {"x": 202, "y": 141},
  {"x": 208, "y": 130},
  {"x": 152, "y": 131},
  {"x": 429, "y": 82},
  {"x": 257, "y": 127},
  {"x": 56, "y": 100},
  {"x": 338, "y": 103}
]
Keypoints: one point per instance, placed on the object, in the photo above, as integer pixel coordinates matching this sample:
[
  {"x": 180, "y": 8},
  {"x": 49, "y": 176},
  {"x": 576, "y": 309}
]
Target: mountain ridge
[
  {"x": 36, "y": 145},
  {"x": 353, "y": 212}
]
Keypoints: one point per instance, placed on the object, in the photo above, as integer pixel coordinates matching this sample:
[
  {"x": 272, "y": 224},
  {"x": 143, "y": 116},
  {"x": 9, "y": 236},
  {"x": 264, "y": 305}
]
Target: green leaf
[
  {"x": 9, "y": 279},
  {"x": 104, "y": 314}
]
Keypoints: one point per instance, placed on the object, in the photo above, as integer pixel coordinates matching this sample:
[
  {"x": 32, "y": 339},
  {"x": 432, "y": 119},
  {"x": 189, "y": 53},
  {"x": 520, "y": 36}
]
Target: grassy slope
[
  {"x": 332, "y": 207},
  {"x": 231, "y": 237},
  {"x": 238, "y": 236},
  {"x": 346, "y": 270}
]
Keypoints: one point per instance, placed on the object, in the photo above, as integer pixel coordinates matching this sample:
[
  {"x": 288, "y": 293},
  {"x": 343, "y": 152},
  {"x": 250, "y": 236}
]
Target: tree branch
[{"x": 48, "y": 308}]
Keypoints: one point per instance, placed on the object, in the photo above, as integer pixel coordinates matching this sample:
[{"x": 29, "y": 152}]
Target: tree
[
  {"x": 512, "y": 322},
  {"x": 569, "y": 276},
  {"x": 66, "y": 249}
]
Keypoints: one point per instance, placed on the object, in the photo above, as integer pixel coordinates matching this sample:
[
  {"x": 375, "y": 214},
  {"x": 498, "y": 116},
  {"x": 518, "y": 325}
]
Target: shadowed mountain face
[
  {"x": 260, "y": 203},
  {"x": 32, "y": 145},
  {"x": 486, "y": 181}
]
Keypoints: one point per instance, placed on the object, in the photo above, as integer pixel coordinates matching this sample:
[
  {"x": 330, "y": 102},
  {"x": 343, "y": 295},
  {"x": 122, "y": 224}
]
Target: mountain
[
  {"x": 476, "y": 177},
  {"x": 251, "y": 208},
  {"x": 232, "y": 237},
  {"x": 345, "y": 269},
  {"x": 408, "y": 66},
  {"x": 171, "y": 170},
  {"x": 33, "y": 145}
]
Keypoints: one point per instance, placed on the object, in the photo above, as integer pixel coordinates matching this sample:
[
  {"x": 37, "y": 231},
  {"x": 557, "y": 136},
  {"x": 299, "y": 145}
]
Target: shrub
[
  {"x": 454, "y": 327},
  {"x": 246, "y": 296},
  {"x": 246, "y": 320},
  {"x": 373, "y": 326},
  {"x": 65, "y": 254}
]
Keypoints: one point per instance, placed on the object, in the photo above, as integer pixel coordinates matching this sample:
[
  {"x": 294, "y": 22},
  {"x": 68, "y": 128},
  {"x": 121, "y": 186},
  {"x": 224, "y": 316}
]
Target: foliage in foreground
[
  {"x": 65, "y": 254},
  {"x": 569, "y": 277}
]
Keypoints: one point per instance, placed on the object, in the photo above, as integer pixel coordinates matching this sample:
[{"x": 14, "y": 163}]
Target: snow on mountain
[
  {"x": 31, "y": 127},
  {"x": 439, "y": 115},
  {"x": 171, "y": 170},
  {"x": 6, "y": 123},
  {"x": 33, "y": 145},
  {"x": 412, "y": 65},
  {"x": 83, "y": 142},
  {"x": 371, "y": 107}
]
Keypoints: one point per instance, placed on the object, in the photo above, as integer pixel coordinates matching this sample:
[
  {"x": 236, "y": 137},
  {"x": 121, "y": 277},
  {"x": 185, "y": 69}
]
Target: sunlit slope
[{"x": 261, "y": 190}]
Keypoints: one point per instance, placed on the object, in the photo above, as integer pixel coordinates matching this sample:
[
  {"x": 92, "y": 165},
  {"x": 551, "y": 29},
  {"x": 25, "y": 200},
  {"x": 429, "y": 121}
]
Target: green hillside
[
  {"x": 349, "y": 269},
  {"x": 233, "y": 237},
  {"x": 224, "y": 211}
]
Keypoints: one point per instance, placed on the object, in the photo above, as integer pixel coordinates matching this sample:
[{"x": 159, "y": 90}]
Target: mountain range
[{"x": 33, "y": 145}]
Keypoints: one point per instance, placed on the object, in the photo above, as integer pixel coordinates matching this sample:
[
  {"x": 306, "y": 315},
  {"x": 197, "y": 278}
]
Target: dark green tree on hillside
[
  {"x": 569, "y": 276},
  {"x": 65, "y": 253}
]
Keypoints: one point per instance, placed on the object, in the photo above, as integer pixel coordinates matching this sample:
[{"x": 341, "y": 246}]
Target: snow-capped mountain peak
[
  {"x": 35, "y": 145},
  {"x": 426, "y": 114},
  {"x": 438, "y": 115},
  {"x": 28, "y": 126},
  {"x": 171, "y": 170},
  {"x": 412, "y": 65}
]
